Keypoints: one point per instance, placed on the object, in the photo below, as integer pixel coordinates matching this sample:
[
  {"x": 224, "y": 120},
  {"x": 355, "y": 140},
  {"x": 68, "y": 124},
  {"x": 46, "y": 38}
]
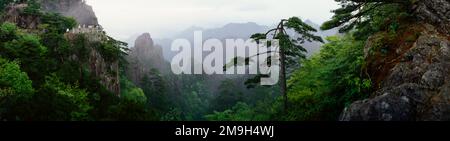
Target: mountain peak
[
  {"x": 234, "y": 25},
  {"x": 145, "y": 35},
  {"x": 144, "y": 40}
]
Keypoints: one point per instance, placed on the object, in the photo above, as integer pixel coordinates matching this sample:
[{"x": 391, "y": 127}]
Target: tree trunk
[{"x": 283, "y": 85}]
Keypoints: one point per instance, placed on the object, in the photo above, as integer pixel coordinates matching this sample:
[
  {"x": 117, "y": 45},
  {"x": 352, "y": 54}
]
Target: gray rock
[
  {"x": 145, "y": 56},
  {"x": 78, "y": 9},
  {"x": 434, "y": 12},
  {"x": 418, "y": 89}
]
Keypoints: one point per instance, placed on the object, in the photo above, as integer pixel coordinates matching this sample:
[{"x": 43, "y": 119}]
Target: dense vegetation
[
  {"x": 328, "y": 81},
  {"x": 40, "y": 79}
]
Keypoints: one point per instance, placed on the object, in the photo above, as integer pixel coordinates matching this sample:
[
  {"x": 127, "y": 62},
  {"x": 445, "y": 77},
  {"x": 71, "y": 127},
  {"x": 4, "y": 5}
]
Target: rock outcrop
[
  {"x": 78, "y": 9},
  {"x": 145, "y": 56},
  {"x": 436, "y": 12},
  {"x": 412, "y": 73},
  {"x": 106, "y": 70},
  {"x": 14, "y": 14},
  {"x": 416, "y": 88}
]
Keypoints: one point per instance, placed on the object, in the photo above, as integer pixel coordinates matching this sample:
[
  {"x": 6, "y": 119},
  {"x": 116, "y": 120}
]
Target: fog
[{"x": 124, "y": 19}]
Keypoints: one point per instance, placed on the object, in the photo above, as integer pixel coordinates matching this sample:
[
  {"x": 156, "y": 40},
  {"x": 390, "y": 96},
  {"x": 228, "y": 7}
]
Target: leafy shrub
[{"x": 328, "y": 81}]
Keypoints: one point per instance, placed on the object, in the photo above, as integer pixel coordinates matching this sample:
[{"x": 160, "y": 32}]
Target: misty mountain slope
[
  {"x": 231, "y": 30},
  {"x": 228, "y": 31},
  {"x": 144, "y": 57},
  {"x": 235, "y": 31}
]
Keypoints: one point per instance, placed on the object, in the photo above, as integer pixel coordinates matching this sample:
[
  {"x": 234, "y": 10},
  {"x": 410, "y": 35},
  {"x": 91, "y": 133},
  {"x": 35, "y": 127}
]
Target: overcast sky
[{"x": 162, "y": 18}]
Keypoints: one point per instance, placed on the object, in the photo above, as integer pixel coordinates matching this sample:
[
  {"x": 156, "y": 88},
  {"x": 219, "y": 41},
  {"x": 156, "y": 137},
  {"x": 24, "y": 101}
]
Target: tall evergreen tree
[{"x": 290, "y": 51}]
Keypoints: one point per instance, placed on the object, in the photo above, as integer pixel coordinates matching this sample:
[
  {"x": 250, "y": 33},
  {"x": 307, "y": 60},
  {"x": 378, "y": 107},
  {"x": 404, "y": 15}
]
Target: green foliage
[
  {"x": 132, "y": 93},
  {"x": 189, "y": 97},
  {"x": 237, "y": 103},
  {"x": 290, "y": 48},
  {"x": 304, "y": 30},
  {"x": 368, "y": 16},
  {"x": 63, "y": 87},
  {"x": 112, "y": 49},
  {"x": 26, "y": 47},
  {"x": 15, "y": 88},
  {"x": 174, "y": 114},
  {"x": 63, "y": 101},
  {"x": 8, "y": 31},
  {"x": 33, "y": 8},
  {"x": 228, "y": 96},
  {"x": 132, "y": 105},
  {"x": 328, "y": 81},
  {"x": 4, "y": 3},
  {"x": 243, "y": 112},
  {"x": 240, "y": 112},
  {"x": 45, "y": 75},
  {"x": 154, "y": 87},
  {"x": 59, "y": 51},
  {"x": 194, "y": 105},
  {"x": 56, "y": 23},
  {"x": 135, "y": 95},
  {"x": 13, "y": 80},
  {"x": 23, "y": 47}
]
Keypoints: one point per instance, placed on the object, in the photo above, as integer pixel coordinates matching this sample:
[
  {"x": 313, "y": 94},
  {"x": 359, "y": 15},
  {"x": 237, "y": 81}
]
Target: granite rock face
[
  {"x": 416, "y": 88},
  {"x": 144, "y": 57},
  {"x": 78, "y": 9},
  {"x": 413, "y": 82},
  {"x": 14, "y": 14},
  {"x": 106, "y": 70},
  {"x": 435, "y": 12}
]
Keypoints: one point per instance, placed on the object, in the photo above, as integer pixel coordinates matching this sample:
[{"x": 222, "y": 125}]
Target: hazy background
[{"x": 165, "y": 18}]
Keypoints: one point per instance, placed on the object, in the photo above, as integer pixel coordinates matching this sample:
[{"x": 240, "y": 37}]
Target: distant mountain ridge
[
  {"x": 235, "y": 31},
  {"x": 231, "y": 30}
]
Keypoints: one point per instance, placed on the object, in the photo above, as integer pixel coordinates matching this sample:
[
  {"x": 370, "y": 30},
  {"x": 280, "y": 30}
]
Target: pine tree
[
  {"x": 360, "y": 13},
  {"x": 290, "y": 51}
]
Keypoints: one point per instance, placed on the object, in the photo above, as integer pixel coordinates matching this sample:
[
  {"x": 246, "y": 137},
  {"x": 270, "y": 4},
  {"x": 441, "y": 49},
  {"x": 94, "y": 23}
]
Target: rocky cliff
[
  {"x": 78, "y": 9},
  {"x": 15, "y": 14},
  {"x": 145, "y": 56},
  {"x": 436, "y": 12},
  {"x": 411, "y": 72},
  {"x": 106, "y": 70}
]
